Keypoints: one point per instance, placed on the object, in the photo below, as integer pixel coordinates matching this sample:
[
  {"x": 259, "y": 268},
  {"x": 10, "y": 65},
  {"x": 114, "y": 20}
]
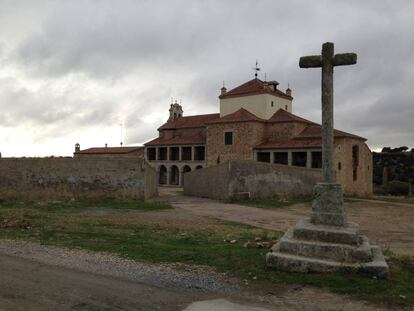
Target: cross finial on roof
[{"x": 256, "y": 69}]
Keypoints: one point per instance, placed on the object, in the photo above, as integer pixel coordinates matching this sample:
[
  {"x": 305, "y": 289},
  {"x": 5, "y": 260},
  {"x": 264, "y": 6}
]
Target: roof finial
[
  {"x": 256, "y": 69},
  {"x": 223, "y": 84},
  {"x": 265, "y": 77}
]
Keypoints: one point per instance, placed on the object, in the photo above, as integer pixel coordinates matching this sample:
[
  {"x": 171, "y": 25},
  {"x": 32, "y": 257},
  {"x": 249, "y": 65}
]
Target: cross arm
[
  {"x": 310, "y": 61},
  {"x": 345, "y": 59}
]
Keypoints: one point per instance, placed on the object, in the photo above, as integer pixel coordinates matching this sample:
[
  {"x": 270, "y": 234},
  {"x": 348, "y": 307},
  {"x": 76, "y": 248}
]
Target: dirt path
[
  {"x": 390, "y": 225},
  {"x": 31, "y": 281}
]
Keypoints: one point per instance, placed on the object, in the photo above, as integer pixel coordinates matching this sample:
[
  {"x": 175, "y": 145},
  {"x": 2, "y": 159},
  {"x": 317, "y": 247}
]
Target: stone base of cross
[{"x": 327, "y": 242}]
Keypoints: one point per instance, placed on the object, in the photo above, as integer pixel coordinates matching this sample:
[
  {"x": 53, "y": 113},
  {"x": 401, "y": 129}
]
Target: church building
[{"x": 255, "y": 123}]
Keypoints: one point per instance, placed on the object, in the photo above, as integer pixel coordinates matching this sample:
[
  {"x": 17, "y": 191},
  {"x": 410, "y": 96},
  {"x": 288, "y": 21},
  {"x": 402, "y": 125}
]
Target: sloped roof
[
  {"x": 241, "y": 115},
  {"x": 315, "y": 130},
  {"x": 285, "y": 116},
  {"x": 293, "y": 143},
  {"x": 255, "y": 86},
  {"x": 178, "y": 140},
  {"x": 109, "y": 150},
  {"x": 190, "y": 121}
]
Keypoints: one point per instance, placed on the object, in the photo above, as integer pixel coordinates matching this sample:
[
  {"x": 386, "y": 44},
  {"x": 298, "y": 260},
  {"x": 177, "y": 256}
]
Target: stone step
[
  {"x": 307, "y": 231},
  {"x": 288, "y": 262},
  {"x": 324, "y": 250}
]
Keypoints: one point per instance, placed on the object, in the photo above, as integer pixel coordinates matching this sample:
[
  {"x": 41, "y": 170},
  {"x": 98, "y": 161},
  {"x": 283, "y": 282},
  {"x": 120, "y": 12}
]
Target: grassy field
[
  {"x": 125, "y": 230},
  {"x": 275, "y": 203}
]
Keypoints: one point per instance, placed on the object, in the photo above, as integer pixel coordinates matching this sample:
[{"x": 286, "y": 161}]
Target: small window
[
  {"x": 228, "y": 138},
  {"x": 272, "y": 103},
  {"x": 339, "y": 166},
  {"x": 286, "y": 107}
]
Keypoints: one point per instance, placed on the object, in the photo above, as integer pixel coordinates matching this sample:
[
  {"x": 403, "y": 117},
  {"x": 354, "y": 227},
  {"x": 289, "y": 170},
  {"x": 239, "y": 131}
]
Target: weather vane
[{"x": 256, "y": 69}]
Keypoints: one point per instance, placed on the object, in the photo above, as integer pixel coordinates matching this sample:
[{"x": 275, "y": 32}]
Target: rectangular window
[
  {"x": 151, "y": 152},
  {"x": 263, "y": 157},
  {"x": 316, "y": 159},
  {"x": 299, "y": 158},
  {"x": 281, "y": 158},
  {"x": 162, "y": 153},
  {"x": 228, "y": 138},
  {"x": 355, "y": 162},
  {"x": 199, "y": 153},
  {"x": 174, "y": 153},
  {"x": 186, "y": 153}
]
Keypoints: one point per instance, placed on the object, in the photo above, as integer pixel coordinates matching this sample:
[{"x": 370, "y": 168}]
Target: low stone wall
[
  {"x": 59, "y": 178},
  {"x": 251, "y": 179}
]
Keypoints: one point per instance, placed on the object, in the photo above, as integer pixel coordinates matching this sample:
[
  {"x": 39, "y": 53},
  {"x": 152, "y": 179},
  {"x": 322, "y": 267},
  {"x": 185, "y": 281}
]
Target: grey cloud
[{"x": 200, "y": 44}]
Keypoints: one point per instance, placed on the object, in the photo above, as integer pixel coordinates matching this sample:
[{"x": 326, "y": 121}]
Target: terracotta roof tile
[
  {"x": 255, "y": 86},
  {"x": 109, "y": 150},
  {"x": 190, "y": 121},
  {"x": 299, "y": 143},
  {"x": 285, "y": 116},
  {"x": 240, "y": 115},
  {"x": 178, "y": 140},
  {"x": 315, "y": 130}
]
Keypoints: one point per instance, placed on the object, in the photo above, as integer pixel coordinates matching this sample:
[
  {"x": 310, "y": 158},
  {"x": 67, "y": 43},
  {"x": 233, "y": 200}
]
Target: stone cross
[{"x": 327, "y": 61}]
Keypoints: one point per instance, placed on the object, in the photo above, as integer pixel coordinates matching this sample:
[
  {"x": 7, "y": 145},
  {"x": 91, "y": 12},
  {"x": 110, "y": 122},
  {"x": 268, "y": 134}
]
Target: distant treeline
[{"x": 399, "y": 169}]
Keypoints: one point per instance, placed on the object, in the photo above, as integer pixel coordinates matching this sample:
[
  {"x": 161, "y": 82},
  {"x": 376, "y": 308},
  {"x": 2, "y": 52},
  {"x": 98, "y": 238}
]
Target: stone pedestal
[
  {"x": 328, "y": 205},
  {"x": 327, "y": 242}
]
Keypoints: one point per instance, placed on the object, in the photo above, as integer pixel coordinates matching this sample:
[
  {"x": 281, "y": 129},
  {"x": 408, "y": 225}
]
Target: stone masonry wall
[
  {"x": 362, "y": 185},
  {"x": 240, "y": 179},
  {"x": 245, "y": 135},
  {"x": 56, "y": 178}
]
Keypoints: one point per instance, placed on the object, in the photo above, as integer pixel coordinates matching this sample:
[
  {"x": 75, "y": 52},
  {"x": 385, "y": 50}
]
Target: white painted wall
[{"x": 260, "y": 105}]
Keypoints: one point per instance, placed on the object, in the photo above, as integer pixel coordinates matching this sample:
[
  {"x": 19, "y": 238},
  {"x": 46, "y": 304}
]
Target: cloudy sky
[{"x": 73, "y": 71}]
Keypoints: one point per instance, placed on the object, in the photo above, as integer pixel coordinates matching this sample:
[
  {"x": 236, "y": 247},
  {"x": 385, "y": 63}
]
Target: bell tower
[{"x": 176, "y": 111}]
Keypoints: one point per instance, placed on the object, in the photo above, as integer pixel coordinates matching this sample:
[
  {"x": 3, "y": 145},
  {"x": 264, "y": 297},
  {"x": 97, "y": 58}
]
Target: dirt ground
[
  {"x": 29, "y": 284},
  {"x": 390, "y": 225}
]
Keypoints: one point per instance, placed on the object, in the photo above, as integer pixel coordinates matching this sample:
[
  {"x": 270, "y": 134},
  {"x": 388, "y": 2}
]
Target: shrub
[{"x": 396, "y": 187}]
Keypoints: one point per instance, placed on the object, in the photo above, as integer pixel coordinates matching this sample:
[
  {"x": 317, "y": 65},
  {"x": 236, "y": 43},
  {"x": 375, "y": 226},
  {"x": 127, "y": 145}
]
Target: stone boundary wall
[
  {"x": 239, "y": 179},
  {"x": 64, "y": 178}
]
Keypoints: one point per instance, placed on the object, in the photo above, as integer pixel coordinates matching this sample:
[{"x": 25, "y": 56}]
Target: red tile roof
[
  {"x": 255, "y": 86},
  {"x": 285, "y": 116},
  {"x": 300, "y": 143},
  {"x": 315, "y": 130},
  {"x": 241, "y": 115},
  {"x": 109, "y": 150},
  {"x": 190, "y": 121},
  {"x": 183, "y": 140}
]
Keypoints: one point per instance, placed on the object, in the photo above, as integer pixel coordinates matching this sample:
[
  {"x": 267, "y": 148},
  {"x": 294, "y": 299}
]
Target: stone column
[
  {"x": 156, "y": 153},
  {"x": 180, "y": 153},
  {"x": 168, "y": 153},
  {"x": 309, "y": 159},
  {"x": 168, "y": 175},
  {"x": 272, "y": 157},
  {"x": 289, "y": 158},
  {"x": 192, "y": 153}
]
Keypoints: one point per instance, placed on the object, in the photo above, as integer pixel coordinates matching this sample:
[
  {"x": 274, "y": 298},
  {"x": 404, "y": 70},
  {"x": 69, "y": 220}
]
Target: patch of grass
[
  {"x": 276, "y": 203},
  {"x": 77, "y": 205},
  {"x": 204, "y": 243}
]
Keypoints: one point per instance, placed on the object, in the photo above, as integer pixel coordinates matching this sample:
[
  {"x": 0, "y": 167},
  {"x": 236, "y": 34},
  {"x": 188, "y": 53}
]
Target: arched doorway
[
  {"x": 198, "y": 167},
  {"x": 174, "y": 175},
  {"x": 186, "y": 169},
  {"x": 162, "y": 177}
]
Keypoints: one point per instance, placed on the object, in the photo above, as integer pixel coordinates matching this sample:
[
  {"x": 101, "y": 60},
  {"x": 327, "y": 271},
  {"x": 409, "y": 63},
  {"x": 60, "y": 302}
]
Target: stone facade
[
  {"x": 244, "y": 136},
  {"x": 238, "y": 179},
  {"x": 254, "y": 130},
  {"x": 66, "y": 178}
]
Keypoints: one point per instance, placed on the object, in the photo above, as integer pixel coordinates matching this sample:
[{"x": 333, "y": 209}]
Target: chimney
[
  {"x": 223, "y": 91},
  {"x": 288, "y": 92},
  {"x": 77, "y": 147},
  {"x": 106, "y": 145}
]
